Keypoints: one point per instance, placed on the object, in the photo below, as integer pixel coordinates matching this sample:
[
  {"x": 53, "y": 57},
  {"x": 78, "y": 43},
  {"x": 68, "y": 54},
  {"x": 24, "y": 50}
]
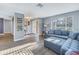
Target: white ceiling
[{"x": 30, "y": 9}]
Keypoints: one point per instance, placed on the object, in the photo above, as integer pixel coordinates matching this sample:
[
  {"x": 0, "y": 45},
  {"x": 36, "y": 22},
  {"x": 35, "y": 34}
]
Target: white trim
[
  {"x": 7, "y": 32},
  {"x": 1, "y": 34},
  {"x": 19, "y": 39},
  {"x": 11, "y": 26},
  {"x": 4, "y": 25},
  {"x": 14, "y": 28}
]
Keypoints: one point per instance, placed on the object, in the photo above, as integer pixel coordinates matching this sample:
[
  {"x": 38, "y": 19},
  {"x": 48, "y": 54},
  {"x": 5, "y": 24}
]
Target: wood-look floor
[
  {"x": 6, "y": 42},
  {"x": 41, "y": 50},
  {"x": 6, "y": 38}
]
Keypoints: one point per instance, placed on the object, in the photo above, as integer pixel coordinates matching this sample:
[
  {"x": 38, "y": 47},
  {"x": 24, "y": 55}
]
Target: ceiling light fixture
[{"x": 39, "y": 5}]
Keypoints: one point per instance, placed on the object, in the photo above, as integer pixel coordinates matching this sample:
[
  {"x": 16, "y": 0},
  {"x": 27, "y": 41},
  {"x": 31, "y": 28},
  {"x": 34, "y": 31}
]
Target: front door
[{"x": 1, "y": 25}]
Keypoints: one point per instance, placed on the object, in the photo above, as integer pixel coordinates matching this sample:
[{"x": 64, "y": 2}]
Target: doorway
[
  {"x": 35, "y": 26},
  {"x": 1, "y": 26}
]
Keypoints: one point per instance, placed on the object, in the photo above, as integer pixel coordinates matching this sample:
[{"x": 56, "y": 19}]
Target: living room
[{"x": 39, "y": 28}]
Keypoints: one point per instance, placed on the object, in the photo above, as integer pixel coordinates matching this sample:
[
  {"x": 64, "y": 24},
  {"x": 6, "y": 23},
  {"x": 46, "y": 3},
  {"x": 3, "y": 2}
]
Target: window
[{"x": 64, "y": 23}]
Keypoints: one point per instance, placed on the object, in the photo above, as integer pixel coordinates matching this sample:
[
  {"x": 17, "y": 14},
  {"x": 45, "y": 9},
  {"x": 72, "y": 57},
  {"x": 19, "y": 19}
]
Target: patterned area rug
[{"x": 25, "y": 49}]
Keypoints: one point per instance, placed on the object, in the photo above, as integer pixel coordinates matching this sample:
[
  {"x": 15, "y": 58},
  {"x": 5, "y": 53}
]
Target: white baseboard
[
  {"x": 2, "y": 34},
  {"x": 19, "y": 39}
]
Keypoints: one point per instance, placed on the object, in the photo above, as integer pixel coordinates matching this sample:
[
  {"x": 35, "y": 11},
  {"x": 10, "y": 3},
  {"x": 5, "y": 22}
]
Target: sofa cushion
[
  {"x": 54, "y": 43},
  {"x": 65, "y": 33},
  {"x": 66, "y": 45},
  {"x": 60, "y": 36},
  {"x": 50, "y": 39},
  {"x": 57, "y": 32},
  {"x": 73, "y": 35},
  {"x": 74, "y": 46},
  {"x": 59, "y": 42},
  {"x": 78, "y": 37},
  {"x": 51, "y": 32}
]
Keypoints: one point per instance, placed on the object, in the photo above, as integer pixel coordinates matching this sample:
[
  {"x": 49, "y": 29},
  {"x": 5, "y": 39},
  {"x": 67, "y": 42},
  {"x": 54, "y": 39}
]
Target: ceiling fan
[{"x": 39, "y": 5}]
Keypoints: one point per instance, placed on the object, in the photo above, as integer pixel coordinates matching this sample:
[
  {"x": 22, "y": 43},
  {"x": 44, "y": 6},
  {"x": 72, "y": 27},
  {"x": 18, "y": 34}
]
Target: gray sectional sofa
[
  {"x": 57, "y": 33},
  {"x": 62, "y": 42}
]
